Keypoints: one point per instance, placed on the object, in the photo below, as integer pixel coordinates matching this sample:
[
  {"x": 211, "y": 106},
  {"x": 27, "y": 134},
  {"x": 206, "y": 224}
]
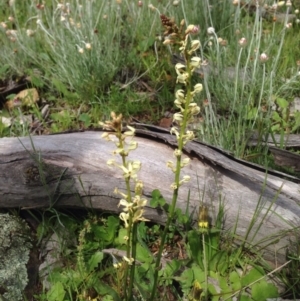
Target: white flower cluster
[{"x": 185, "y": 102}]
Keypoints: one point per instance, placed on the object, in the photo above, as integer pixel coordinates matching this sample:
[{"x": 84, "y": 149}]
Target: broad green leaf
[
  {"x": 254, "y": 274},
  {"x": 143, "y": 254},
  {"x": 252, "y": 113},
  {"x": 219, "y": 262},
  {"x": 199, "y": 274},
  {"x": 94, "y": 261},
  {"x": 121, "y": 235},
  {"x": 263, "y": 290},
  {"x": 235, "y": 280},
  {"x": 245, "y": 298},
  {"x": 3, "y": 69},
  {"x": 157, "y": 199},
  {"x": 282, "y": 103},
  {"x": 56, "y": 293},
  {"x": 86, "y": 119},
  {"x": 195, "y": 245},
  {"x": 106, "y": 291},
  {"x": 186, "y": 279},
  {"x": 112, "y": 225},
  {"x": 276, "y": 116}
]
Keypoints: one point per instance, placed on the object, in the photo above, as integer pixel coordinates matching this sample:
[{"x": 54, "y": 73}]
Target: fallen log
[{"x": 70, "y": 170}]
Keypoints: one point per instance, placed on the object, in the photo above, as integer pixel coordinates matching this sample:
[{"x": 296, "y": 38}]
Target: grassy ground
[{"x": 88, "y": 59}]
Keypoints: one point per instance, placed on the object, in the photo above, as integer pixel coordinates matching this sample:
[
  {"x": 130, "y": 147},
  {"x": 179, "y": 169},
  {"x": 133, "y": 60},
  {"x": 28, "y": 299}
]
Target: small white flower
[
  {"x": 173, "y": 186},
  {"x": 130, "y": 132},
  {"x": 195, "y": 44},
  {"x": 106, "y": 136},
  {"x": 170, "y": 164},
  {"x": 178, "y": 104},
  {"x": 288, "y": 25},
  {"x": 132, "y": 145},
  {"x": 263, "y": 57},
  {"x": 124, "y": 217},
  {"x": 110, "y": 162},
  {"x": 177, "y": 153},
  {"x": 167, "y": 41},
  {"x": 182, "y": 77},
  {"x": 179, "y": 67},
  {"x": 136, "y": 165},
  {"x": 198, "y": 88},
  {"x": 174, "y": 130},
  {"x": 177, "y": 117},
  {"x": 190, "y": 135},
  {"x": 195, "y": 62},
  {"x": 185, "y": 179},
  {"x": 180, "y": 94},
  {"x": 129, "y": 260},
  {"x": 29, "y": 32},
  {"x": 189, "y": 29},
  {"x": 185, "y": 162},
  {"x": 210, "y": 30},
  {"x": 243, "y": 42}
]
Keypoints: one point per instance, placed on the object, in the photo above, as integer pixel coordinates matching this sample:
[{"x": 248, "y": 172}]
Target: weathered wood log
[{"x": 70, "y": 170}]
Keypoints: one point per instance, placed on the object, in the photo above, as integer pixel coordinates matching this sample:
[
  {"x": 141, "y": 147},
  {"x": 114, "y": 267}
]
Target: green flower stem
[
  {"x": 205, "y": 267},
  {"x": 177, "y": 179},
  {"x": 127, "y": 295},
  {"x": 128, "y": 243},
  {"x": 133, "y": 255}
]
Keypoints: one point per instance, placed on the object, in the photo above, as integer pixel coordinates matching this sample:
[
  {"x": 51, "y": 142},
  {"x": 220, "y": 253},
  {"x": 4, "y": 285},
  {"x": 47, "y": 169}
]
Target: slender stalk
[
  {"x": 180, "y": 142},
  {"x": 205, "y": 267},
  {"x": 133, "y": 255}
]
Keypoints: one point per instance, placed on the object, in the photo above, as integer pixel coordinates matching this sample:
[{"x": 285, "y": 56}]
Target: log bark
[{"x": 70, "y": 170}]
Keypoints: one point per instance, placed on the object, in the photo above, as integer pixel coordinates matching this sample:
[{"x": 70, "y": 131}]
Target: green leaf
[
  {"x": 86, "y": 119},
  {"x": 254, "y": 274},
  {"x": 56, "y": 293},
  {"x": 219, "y": 262},
  {"x": 186, "y": 279},
  {"x": 112, "y": 226},
  {"x": 252, "y": 113},
  {"x": 263, "y": 290},
  {"x": 157, "y": 199},
  {"x": 3, "y": 69},
  {"x": 245, "y": 298},
  {"x": 94, "y": 261},
  {"x": 121, "y": 235},
  {"x": 282, "y": 103},
  {"x": 198, "y": 273},
  {"x": 195, "y": 245},
  {"x": 235, "y": 280},
  {"x": 143, "y": 254},
  {"x": 107, "y": 291},
  {"x": 276, "y": 116}
]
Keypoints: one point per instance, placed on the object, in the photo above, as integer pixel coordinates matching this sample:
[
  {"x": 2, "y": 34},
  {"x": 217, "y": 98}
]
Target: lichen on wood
[{"x": 15, "y": 244}]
